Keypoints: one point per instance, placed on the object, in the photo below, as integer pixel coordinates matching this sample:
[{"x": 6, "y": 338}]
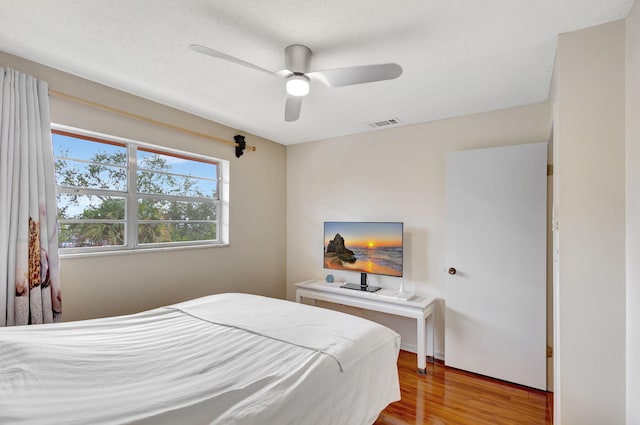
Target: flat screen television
[{"x": 365, "y": 247}]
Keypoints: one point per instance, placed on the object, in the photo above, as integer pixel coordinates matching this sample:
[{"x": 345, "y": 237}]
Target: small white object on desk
[
  {"x": 403, "y": 295},
  {"x": 415, "y": 306},
  {"x": 397, "y": 295}
]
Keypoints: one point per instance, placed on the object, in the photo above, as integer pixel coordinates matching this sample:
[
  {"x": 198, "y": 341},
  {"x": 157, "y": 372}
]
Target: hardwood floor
[{"x": 447, "y": 396}]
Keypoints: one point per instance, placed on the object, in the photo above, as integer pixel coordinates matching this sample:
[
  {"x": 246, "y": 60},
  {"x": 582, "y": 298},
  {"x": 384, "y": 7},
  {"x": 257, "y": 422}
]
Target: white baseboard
[
  {"x": 413, "y": 349},
  {"x": 408, "y": 347}
]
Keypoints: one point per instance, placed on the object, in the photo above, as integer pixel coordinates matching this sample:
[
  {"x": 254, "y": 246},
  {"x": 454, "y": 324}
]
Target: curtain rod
[{"x": 239, "y": 144}]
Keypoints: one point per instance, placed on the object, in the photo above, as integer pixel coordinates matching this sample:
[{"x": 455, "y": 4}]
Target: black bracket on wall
[{"x": 241, "y": 145}]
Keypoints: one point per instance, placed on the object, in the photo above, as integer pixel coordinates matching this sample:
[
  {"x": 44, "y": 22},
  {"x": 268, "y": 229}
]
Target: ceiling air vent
[{"x": 384, "y": 123}]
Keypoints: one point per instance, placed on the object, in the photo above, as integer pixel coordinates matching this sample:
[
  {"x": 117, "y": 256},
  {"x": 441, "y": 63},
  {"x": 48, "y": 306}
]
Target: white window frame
[{"x": 132, "y": 196}]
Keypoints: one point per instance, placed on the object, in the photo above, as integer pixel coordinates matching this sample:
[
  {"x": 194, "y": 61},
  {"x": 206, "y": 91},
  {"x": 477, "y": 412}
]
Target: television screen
[{"x": 366, "y": 247}]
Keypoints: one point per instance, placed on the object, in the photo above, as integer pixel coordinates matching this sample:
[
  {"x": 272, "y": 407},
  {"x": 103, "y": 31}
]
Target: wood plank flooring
[{"x": 447, "y": 396}]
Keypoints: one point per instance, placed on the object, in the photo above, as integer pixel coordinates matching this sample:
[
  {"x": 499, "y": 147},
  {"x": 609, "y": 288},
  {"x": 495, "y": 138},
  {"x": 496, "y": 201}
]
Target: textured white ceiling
[{"x": 459, "y": 56}]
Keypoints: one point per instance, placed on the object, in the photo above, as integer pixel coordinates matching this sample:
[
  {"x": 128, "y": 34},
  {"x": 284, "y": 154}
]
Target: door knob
[{"x": 452, "y": 270}]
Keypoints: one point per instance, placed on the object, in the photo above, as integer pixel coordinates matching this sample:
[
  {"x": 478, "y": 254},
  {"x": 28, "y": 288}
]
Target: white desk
[{"x": 418, "y": 307}]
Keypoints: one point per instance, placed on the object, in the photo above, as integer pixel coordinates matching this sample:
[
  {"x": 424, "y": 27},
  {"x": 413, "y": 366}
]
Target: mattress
[{"x": 223, "y": 359}]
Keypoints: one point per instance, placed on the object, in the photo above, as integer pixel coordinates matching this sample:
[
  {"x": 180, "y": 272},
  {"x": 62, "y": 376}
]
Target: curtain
[{"x": 30, "y": 289}]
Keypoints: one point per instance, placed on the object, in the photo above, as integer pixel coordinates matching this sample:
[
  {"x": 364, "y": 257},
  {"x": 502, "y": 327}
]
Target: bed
[{"x": 222, "y": 359}]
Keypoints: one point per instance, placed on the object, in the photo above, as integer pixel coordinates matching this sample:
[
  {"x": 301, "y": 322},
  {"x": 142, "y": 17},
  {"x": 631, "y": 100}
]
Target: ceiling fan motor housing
[{"x": 297, "y": 58}]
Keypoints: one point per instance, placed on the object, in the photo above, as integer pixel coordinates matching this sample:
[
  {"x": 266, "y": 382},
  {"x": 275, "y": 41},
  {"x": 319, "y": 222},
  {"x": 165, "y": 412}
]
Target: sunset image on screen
[{"x": 370, "y": 247}]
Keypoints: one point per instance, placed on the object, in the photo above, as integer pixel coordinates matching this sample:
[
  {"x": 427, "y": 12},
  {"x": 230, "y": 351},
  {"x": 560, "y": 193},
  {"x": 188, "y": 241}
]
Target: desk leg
[
  {"x": 431, "y": 323},
  {"x": 422, "y": 347},
  {"x": 299, "y": 299}
]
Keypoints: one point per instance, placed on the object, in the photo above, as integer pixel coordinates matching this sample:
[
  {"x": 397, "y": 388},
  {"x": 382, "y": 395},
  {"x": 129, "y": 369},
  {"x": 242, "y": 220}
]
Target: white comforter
[{"x": 222, "y": 359}]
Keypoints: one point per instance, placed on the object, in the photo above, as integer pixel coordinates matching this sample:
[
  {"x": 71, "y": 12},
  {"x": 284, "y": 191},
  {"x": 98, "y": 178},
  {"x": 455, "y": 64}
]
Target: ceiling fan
[{"x": 297, "y": 59}]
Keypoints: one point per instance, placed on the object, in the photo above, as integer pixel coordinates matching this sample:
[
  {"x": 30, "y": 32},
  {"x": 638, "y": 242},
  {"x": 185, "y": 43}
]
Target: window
[{"x": 116, "y": 194}]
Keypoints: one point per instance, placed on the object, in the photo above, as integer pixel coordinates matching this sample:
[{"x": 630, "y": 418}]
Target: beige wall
[
  {"x": 589, "y": 183},
  {"x": 391, "y": 175},
  {"x": 633, "y": 213},
  {"x": 254, "y": 262}
]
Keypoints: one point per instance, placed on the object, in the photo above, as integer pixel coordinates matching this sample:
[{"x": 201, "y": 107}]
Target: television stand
[
  {"x": 366, "y": 288},
  {"x": 415, "y": 306}
]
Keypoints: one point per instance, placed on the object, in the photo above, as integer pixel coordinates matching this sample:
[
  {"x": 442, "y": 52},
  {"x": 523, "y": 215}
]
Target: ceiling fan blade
[
  {"x": 292, "y": 108},
  {"x": 340, "y": 77},
  {"x": 217, "y": 54}
]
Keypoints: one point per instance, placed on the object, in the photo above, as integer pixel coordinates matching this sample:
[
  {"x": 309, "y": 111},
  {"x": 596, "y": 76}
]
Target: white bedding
[{"x": 222, "y": 359}]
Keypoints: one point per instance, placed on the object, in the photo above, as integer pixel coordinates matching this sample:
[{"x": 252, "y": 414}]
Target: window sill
[{"x": 64, "y": 256}]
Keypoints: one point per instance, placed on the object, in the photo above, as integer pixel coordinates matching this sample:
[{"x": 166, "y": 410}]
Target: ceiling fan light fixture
[{"x": 298, "y": 85}]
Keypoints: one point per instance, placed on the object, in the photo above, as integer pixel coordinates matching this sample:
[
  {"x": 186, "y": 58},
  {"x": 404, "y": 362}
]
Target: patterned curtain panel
[{"x": 29, "y": 267}]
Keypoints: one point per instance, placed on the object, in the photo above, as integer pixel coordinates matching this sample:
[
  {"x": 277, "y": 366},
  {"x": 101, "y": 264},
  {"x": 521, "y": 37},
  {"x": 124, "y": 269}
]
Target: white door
[{"x": 495, "y": 319}]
